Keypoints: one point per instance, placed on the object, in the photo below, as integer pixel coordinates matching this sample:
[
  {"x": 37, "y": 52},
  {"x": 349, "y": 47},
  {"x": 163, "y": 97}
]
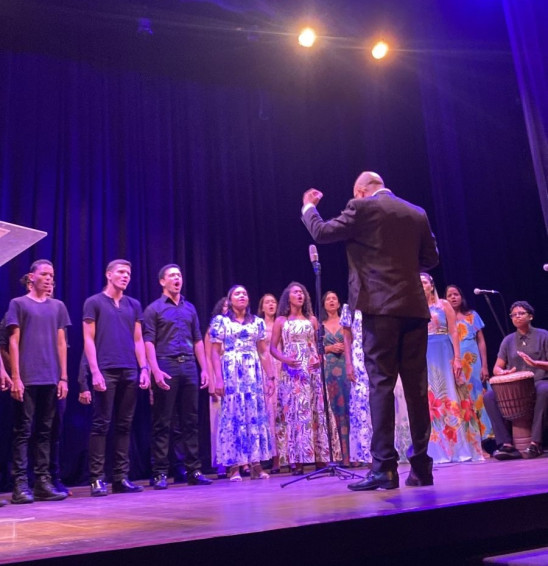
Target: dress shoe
[
  {"x": 159, "y": 481},
  {"x": 416, "y": 480},
  {"x": 197, "y": 478},
  {"x": 125, "y": 486},
  {"x": 44, "y": 491},
  {"x": 60, "y": 486},
  {"x": 21, "y": 493},
  {"x": 377, "y": 480},
  {"x": 98, "y": 488},
  {"x": 507, "y": 453},
  {"x": 532, "y": 451}
]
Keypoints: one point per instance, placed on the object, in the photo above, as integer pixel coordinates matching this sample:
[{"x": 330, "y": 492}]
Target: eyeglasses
[{"x": 516, "y": 314}]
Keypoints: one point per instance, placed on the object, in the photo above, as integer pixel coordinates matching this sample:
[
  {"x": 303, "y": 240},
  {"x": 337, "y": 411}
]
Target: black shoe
[
  {"x": 159, "y": 481},
  {"x": 507, "y": 453},
  {"x": 532, "y": 451},
  {"x": 60, "y": 486},
  {"x": 377, "y": 480},
  {"x": 44, "y": 491},
  {"x": 22, "y": 494},
  {"x": 98, "y": 488},
  {"x": 125, "y": 486},
  {"x": 197, "y": 478},
  {"x": 416, "y": 480}
]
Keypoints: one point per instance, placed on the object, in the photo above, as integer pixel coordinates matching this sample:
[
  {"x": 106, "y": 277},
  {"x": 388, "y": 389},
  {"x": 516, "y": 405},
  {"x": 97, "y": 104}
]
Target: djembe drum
[{"x": 515, "y": 395}]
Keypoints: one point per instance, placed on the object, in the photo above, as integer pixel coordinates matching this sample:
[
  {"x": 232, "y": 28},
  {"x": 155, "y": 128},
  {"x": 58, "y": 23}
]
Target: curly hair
[
  {"x": 464, "y": 308},
  {"x": 284, "y": 307},
  {"x": 248, "y": 317}
]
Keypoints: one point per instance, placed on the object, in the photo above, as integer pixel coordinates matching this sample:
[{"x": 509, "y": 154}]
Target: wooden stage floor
[{"x": 474, "y": 509}]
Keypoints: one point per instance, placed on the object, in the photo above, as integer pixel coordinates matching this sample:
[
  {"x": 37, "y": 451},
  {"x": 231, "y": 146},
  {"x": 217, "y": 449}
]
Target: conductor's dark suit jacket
[{"x": 388, "y": 243}]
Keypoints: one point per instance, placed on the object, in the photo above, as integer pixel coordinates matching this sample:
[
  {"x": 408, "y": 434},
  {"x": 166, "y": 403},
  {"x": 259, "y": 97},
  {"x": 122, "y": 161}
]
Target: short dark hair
[
  {"x": 162, "y": 272},
  {"x": 524, "y": 305},
  {"x": 115, "y": 262},
  {"x": 38, "y": 262}
]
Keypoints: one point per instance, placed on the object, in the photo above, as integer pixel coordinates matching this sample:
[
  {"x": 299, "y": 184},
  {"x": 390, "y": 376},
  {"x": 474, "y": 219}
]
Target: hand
[
  {"x": 292, "y": 362},
  {"x": 269, "y": 387},
  {"x": 85, "y": 398},
  {"x": 160, "y": 379},
  {"x": 204, "y": 377},
  {"x": 62, "y": 389},
  {"x": 312, "y": 196},
  {"x": 527, "y": 359},
  {"x": 350, "y": 373},
  {"x": 17, "y": 390},
  {"x": 5, "y": 381},
  {"x": 144, "y": 378},
  {"x": 457, "y": 372},
  {"x": 313, "y": 363},
  {"x": 484, "y": 374},
  {"x": 500, "y": 371},
  {"x": 220, "y": 389},
  {"x": 337, "y": 348},
  {"x": 98, "y": 381}
]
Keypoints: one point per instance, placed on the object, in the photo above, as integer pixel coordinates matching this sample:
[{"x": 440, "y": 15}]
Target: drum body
[{"x": 515, "y": 394}]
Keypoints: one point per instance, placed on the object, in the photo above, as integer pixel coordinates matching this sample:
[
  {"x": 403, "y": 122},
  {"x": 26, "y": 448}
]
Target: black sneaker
[
  {"x": 44, "y": 491},
  {"x": 507, "y": 453}
]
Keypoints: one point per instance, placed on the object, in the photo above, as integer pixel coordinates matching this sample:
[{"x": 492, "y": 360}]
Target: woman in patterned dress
[
  {"x": 301, "y": 428},
  {"x": 267, "y": 311},
  {"x": 338, "y": 385},
  {"x": 360, "y": 416},
  {"x": 473, "y": 353},
  {"x": 455, "y": 435},
  {"x": 243, "y": 385}
]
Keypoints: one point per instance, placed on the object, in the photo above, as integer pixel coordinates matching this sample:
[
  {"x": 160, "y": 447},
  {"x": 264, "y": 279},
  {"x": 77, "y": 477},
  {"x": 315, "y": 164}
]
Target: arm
[
  {"x": 428, "y": 255},
  {"x": 268, "y": 370},
  {"x": 216, "y": 362},
  {"x": 62, "y": 386},
  {"x": 499, "y": 368},
  {"x": 453, "y": 334},
  {"x": 140, "y": 354},
  {"x": 97, "y": 379},
  {"x": 17, "y": 388},
  {"x": 199, "y": 351},
  {"x": 207, "y": 349},
  {"x": 542, "y": 364},
  {"x": 84, "y": 396},
  {"x": 334, "y": 230},
  {"x": 5, "y": 381},
  {"x": 347, "y": 334},
  {"x": 482, "y": 347},
  {"x": 275, "y": 341},
  {"x": 159, "y": 375}
]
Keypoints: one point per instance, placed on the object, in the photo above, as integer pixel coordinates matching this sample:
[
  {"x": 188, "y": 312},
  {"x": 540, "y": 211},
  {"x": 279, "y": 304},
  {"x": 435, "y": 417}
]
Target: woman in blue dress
[
  {"x": 455, "y": 435},
  {"x": 473, "y": 354},
  {"x": 243, "y": 380}
]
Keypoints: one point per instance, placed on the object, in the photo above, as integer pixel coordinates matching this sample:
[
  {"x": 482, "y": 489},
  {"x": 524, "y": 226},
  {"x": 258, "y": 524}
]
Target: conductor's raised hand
[{"x": 312, "y": 196}]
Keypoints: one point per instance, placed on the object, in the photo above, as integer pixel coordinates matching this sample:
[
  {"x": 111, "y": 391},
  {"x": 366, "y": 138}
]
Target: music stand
[
  {"x": 16, "y": 239},
  {"x": 331, "y": 468}
]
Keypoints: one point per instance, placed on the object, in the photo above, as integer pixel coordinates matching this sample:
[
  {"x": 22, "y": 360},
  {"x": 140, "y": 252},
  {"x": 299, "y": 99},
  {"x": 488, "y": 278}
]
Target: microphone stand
[
  {"x": 487, "y": 298},
  {"x": 331, "y": 468}
]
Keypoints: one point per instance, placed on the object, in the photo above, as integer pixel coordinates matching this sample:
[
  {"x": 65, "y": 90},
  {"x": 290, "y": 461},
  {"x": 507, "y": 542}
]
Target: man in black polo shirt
[
  {"x": 173, "y": 342},
  {"x": 114, "y": 348},
  {"x": 38, "y": 356}
]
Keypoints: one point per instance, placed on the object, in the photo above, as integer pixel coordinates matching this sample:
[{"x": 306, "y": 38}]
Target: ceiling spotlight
[
  {"x": 380, "y": 50},
  {"x": 307, "y": 37}
]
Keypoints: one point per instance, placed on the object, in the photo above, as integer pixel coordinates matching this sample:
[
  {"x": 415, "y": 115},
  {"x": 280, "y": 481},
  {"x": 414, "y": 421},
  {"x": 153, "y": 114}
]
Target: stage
[{"x": 474, "y": 510}]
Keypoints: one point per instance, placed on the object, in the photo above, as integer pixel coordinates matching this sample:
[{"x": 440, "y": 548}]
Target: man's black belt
[{"x": 180, "y": 358}]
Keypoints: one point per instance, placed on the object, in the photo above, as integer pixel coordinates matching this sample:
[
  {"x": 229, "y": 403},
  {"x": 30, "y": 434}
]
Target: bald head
[{"x": 367, "y": 183}]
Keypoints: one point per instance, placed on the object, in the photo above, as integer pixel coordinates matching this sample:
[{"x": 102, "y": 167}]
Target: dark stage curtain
[{"x": 199, "y": 155}]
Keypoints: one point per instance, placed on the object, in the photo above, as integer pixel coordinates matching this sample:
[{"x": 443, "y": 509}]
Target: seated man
[{"x": 525, "y": 349}]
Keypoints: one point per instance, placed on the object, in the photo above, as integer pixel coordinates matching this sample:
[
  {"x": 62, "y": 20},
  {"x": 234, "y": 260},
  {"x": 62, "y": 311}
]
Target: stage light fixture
[
  {"x": 380, "y": 50},
  {"x": 307, "y": 37}
]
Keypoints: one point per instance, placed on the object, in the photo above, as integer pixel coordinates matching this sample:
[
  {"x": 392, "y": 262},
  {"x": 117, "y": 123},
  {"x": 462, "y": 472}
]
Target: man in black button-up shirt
[{"x": 173, "y": 343}]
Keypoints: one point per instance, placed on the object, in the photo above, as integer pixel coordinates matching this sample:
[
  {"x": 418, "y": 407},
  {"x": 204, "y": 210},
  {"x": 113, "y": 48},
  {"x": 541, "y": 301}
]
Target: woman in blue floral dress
[
  {"x": 455, "y": 435},
  {"x": 360, "y": 416},
  {"x": 243, "y": 380},
  {"x": 473, "y": 353},
  {"x": 301, "y": 423}
]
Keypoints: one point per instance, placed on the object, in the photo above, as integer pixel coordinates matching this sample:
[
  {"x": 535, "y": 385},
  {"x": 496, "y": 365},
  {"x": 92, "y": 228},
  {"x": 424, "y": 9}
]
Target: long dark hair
[
  {"x": 218, "y": 308},
  {"x": 248, "y": 317},
  {"x": 260, "y": 309},
  {"x": 464, "y": 308},
  {"x": 323, "y": 313},
  {"x": 284, "y": 307}
]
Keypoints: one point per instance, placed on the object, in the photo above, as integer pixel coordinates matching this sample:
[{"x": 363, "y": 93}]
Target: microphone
[
  {"x": 314, "y": 258},
  {"x": 545, "y": 267},
  {"x": 485, "y": 292}
]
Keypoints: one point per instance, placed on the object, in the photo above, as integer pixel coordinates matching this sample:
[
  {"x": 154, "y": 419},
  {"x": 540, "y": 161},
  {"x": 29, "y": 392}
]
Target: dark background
[{"x": 195, "y": 144}]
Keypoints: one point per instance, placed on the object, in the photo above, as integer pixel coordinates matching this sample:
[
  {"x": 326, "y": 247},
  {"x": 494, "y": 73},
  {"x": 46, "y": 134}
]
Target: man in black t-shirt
[
  {"x": 114, "y": 348},
  {"x": 38, "y": 355}
]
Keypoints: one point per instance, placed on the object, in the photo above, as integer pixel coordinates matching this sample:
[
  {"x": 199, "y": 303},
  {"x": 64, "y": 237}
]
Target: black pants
[
  {"x": 39, "y": 405},
  {"x": 118, "y": 400},
  {"x": 183, "y": 396},
  {"x": 395, "y": 345}
]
